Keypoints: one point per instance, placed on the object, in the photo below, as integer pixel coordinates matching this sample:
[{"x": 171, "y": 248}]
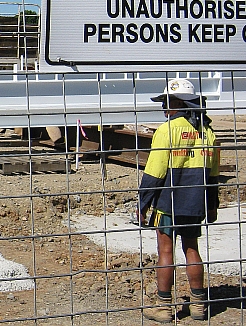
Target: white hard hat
[
  {"x": 184, "y": 90},
  {"x": 180, "y": 88}
]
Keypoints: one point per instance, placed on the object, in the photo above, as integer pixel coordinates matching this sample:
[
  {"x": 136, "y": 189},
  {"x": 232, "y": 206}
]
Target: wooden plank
[
  {"x": 227, "y": 168},
  {"x": 13, "y": 143},
  {"x": 9, "y": 165}
]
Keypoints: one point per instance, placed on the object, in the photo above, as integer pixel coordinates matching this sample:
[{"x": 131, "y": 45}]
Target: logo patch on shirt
[
  {"x": 193, "y": 135},
  {"x": 184, "y": 152}
]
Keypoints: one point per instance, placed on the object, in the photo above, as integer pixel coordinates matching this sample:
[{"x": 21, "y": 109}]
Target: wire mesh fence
[
  {"x": 72, "y": 249},
  {"x": 73, "y": 151}
]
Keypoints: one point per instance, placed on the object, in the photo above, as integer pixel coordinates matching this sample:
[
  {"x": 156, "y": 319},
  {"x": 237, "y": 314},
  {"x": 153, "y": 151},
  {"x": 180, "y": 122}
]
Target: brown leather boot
[
  {"x": 196, "y": 306},
  {"x": 163, "y": 313}
]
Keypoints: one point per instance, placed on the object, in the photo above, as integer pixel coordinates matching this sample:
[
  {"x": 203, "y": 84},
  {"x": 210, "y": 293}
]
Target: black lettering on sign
[
  {"x": 176, "y": 35},
  {"x": 196, "y": 9},
  {"x": 168, "y": 7},
  {"x": 132, "y": 9},
  {"x": 142, "y": 9},
  {"x": 118, "y": 32},
  {"x": 168, "y": 32},
  {"x": 210, "y": 9},
  {"x": 240, "y": 10},
  {"x": 103, "y": 33},
  {"x": 131, "y": 30},
  {"x": 193, "y": 33},
  {"x": 154, "y": 12},
  {"x": 211, "y": 33},
  {"x": 127, "y": 8},
  {"x": 182, "y": 10},
  {"x": 244, "y": 33},
  {"x": 110, "y": 12},
  {"x": 146, "y": 33},
  {"x": 89, "y": 30},
  {"x": 229, "y": 14},
  {"x": 231, "y": 31}
]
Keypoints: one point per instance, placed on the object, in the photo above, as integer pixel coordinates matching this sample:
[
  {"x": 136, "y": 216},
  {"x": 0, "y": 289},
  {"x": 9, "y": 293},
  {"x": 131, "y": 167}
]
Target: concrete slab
[{"x": 222, "y": 243}]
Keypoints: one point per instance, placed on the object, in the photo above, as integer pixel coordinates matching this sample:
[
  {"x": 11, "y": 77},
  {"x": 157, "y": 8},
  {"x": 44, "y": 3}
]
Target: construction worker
[{"x": 180, "y": 182}]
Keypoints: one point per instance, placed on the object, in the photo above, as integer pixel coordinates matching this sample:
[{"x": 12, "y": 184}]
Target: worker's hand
[
  {"x": 142, "y": 216},
  {"x": 212, "y": 215}
]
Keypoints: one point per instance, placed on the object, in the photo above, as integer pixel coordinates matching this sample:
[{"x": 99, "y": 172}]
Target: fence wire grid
[
  {"x": 72, "y": 251},
  {"x": 73, "y": 150}
]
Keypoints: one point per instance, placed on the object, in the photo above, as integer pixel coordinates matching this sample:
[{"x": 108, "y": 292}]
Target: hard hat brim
[
  {"x": 191, "y": 100},
  {"x": 184, "y": 97}
]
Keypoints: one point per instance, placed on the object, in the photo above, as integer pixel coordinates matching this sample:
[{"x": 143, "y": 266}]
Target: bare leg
[
  {"x": 163, "y": 311},
  {"x": 165, "y": 252},
  {"x": 195, "y": 273}
]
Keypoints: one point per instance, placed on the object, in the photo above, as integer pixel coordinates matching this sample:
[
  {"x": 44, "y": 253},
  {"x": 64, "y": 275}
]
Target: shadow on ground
[{"x": 221, "y": 298}]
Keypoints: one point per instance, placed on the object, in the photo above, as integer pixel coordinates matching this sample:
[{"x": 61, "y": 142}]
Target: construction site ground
[{"x": 57, "y": 254}]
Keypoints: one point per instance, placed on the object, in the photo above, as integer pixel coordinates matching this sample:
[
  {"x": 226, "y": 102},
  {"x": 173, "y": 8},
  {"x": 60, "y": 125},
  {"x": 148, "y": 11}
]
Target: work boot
[
  {"x": 163, "y": 313},
  {"x": 197, "y": 308}
]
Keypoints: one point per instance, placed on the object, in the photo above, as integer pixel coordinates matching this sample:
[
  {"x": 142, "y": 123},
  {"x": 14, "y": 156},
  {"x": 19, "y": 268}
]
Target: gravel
[{"x": 10, "y": 269}]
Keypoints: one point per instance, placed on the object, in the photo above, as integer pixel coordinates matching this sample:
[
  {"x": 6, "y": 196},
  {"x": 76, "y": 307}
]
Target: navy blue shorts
[{"x": 183, "y": 225}]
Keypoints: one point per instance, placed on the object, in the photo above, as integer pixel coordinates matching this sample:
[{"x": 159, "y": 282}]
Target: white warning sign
[{"x": 94, "y": 35}]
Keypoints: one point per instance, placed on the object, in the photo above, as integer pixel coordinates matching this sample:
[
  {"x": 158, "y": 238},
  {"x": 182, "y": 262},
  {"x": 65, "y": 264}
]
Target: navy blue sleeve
[
  {"x": 213, "y": 193},
  {"x": 149, "y": 190}
]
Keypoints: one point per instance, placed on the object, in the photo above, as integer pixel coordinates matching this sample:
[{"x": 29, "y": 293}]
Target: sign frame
[{"x": 128, "y": 65}]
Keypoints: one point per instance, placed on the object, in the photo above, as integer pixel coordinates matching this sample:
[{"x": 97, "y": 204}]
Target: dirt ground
[{"x": 76, "y": 277}]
